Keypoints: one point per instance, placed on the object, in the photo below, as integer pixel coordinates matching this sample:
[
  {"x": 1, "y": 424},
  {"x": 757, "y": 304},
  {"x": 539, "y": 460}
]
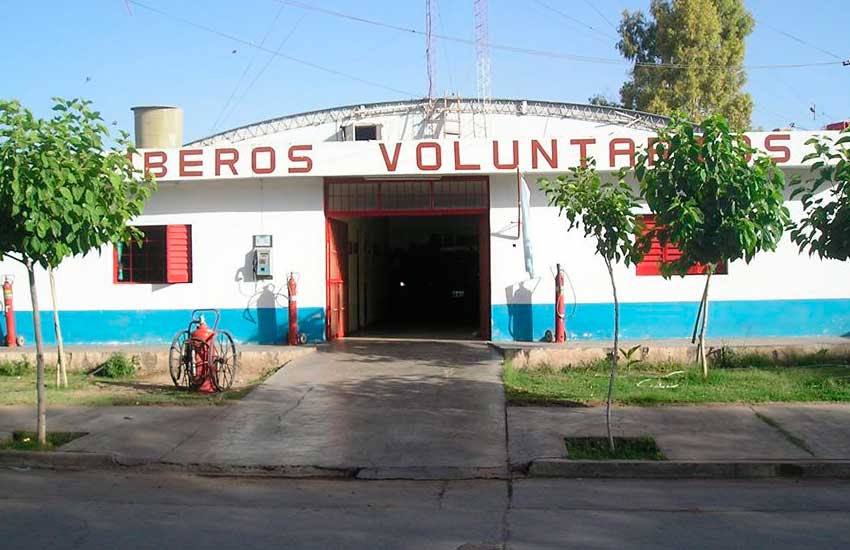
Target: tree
[
  {"x": 825, "y": 227},
  {"x": 601, "y": 100},
  {"x": 698, "y": 49},
  {"x": 605, "y": 209},
  {"x": 63, "y": 191},
  {"x": 710, "y": 201}
]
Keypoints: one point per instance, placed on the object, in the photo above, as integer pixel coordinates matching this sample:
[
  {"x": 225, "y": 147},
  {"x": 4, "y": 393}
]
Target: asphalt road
[{"x": 40, "y": 509}]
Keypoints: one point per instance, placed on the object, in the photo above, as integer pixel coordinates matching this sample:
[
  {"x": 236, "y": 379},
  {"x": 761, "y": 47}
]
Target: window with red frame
[
  {"x": 657, "y": 255},
  {"x": 164, "y": 256}
]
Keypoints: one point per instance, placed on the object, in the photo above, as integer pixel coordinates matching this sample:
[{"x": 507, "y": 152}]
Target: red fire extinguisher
[
  {"x": 292, "y": 286},
  {"x": 560, "y": 312},
  {"x": 11, "y": 339},
  {"x": 202, "y": 355}
]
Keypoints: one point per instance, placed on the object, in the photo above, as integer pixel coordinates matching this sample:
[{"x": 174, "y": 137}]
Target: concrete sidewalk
[
  {"x": 412, "y": 443},
  {"x": 776, "y": 433},
  {"x": 377, "y": 409},
  {"x": 414, "y": 409}
]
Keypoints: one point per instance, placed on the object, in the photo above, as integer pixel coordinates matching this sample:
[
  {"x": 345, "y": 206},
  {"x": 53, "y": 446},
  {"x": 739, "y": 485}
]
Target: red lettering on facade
[
  {"x": 186, "y": 163},
  {"x": 438, "y": 156},
  {"x": 255, "y": 165},
  {"x": 511, "y": 165},
  {"x": 786, "y": 152},
  {"x": 308, "y": 162},
  {"x": 159, "y": 164},
  {"x": 614, "y": 151},
  {"x": 230, "y": 162},
  {"x": 391, "y": 165},
  {"x": 582, "y": 148},
  {"x": 459, "y": 165},
  {"x": 551, "y": 157}
]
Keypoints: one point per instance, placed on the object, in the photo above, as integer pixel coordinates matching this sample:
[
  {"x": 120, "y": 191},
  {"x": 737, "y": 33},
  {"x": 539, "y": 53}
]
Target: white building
[{"x": 403, "y": 218}]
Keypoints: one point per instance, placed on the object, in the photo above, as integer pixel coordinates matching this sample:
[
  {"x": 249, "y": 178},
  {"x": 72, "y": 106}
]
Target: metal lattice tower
[
  {"x": 429, "y": 50},
  {"x": 482, "y": 53}
]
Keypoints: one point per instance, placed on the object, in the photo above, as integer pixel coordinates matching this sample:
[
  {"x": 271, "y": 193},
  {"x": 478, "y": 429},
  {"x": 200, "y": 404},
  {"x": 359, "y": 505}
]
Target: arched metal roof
[{"x": 578, "y": 111}]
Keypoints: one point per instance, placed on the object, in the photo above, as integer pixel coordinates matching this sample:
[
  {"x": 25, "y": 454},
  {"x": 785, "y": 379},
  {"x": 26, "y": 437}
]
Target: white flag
[{"x": 525, "y": 207}]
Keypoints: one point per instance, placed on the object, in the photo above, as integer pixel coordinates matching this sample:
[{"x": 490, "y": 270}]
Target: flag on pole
[{"x": 525, "y": 212}]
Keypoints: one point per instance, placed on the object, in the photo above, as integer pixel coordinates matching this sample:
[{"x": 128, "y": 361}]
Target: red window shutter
[
  {"x": 178, "y": 253},
  {"x": 652, "y": 260}
]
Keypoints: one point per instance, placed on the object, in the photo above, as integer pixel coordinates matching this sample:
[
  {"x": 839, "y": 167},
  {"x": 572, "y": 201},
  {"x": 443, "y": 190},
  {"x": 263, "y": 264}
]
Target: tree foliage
[
  {"x": 825, "y": 227},
  {"x": 703, "y": 41},
  {"x": 605, "y": 210},
  {"x": 64, "y": 188},
  {"x": 708, "y": 200},
  {"x": 602, "y": 100}
]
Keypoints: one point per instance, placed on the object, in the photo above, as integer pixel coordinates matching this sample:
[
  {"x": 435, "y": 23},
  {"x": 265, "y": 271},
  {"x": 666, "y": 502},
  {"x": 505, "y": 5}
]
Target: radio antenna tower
[
  {"x": 482, "y": 55},
  {"x": 429, "y": 50}
]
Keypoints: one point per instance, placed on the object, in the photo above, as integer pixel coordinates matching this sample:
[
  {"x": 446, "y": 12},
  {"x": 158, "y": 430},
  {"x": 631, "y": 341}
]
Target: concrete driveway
[{"x": 412, "y": 407}]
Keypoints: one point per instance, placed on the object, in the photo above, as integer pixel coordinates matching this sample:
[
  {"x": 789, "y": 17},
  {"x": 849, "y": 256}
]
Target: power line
[
  {"x": 247, "y": 69},
  {"x": 801, "y": 41},
  {"x": 269, "y": 50},
  {"x": 263, "y": 70},
  {"x": 600, "y": 13},
  {"x": 573, "y": 19},
  {"x": 543, "y": 53}
]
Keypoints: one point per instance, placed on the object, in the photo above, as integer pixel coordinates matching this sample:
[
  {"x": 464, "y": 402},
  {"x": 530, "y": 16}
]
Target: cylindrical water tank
[{"x": 158, "y": 127}]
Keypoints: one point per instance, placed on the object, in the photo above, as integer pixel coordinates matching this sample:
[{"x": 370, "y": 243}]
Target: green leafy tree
[
  {"x": 709, "y": 201},
  {"x": 601, "y": 100},
  {"x": 66, "y": 187},
  {"x": 604, "y": 209},
  {"x": 700, "y": 47},
  {"x": 825, "y": 227}
]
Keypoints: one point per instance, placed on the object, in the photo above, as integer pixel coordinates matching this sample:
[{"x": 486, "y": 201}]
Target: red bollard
[
  {"x": 11, "y": 336},
  {"x": 560, "y": 312},
  {"x": 292, "y": 285}
]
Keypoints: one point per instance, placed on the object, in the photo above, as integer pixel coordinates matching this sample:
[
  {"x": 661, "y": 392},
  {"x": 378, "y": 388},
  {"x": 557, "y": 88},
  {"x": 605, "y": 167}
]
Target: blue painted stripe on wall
[
  {"x": 257, "y": 325},
  {"x": 734, "y": 318}
]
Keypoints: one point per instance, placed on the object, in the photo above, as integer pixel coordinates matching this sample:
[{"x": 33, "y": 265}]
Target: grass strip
[
  {"x": 28, "y": 441},
  {"x": 625, "y": 448},
  {"x": 663, "y": 384}
]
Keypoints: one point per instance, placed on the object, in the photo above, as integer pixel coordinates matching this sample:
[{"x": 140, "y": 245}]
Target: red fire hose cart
[{"x": 203, "y": 358}]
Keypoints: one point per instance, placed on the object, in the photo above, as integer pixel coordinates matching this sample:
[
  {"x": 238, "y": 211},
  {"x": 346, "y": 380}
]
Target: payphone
[{"x": 262, "y": 257}]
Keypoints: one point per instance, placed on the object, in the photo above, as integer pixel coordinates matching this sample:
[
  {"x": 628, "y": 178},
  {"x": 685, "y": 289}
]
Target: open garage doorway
[{"x": 408, "y": 258}]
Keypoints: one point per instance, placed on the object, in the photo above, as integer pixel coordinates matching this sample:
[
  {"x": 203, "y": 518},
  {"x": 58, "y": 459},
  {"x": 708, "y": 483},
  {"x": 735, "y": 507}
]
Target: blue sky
[{"x": 96, "y": 49}]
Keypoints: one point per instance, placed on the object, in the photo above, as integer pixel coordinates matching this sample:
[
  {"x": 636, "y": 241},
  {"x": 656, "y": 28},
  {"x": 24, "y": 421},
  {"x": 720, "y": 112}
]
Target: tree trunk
[
  {"x": 61, "y": 368},
  {"x": 39, "y": 358},
  {"x": 614, "y": 357},
  {"x": 701, "y": 349}
]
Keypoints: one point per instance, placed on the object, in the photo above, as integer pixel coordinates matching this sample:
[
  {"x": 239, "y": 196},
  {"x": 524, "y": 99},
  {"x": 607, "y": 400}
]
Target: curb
[
  {"x": 540, "y": 468},
  {"x": 77, "y": 461},
  {"x": 688, "y": 469},
  {"x": 423, "y": 473}
]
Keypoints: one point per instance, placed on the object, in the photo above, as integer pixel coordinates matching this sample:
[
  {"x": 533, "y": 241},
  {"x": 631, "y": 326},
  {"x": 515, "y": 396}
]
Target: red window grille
[
  {"x": 164, "y": 256},
  {"x": 407, "y": 197},
  {"x": 657, "y": 255}
]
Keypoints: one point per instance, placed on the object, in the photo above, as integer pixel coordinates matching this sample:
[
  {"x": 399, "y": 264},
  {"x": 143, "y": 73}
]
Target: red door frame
[
  {"x": 335, "y": 252},
  {"x": 483, "y": 215}
]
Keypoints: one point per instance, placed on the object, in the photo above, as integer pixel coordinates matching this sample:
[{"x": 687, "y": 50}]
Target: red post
[
  {"x": 560, "y": 313},
  {"x": 11, "y": 336},
  {"x": 292, "y": 286}
]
